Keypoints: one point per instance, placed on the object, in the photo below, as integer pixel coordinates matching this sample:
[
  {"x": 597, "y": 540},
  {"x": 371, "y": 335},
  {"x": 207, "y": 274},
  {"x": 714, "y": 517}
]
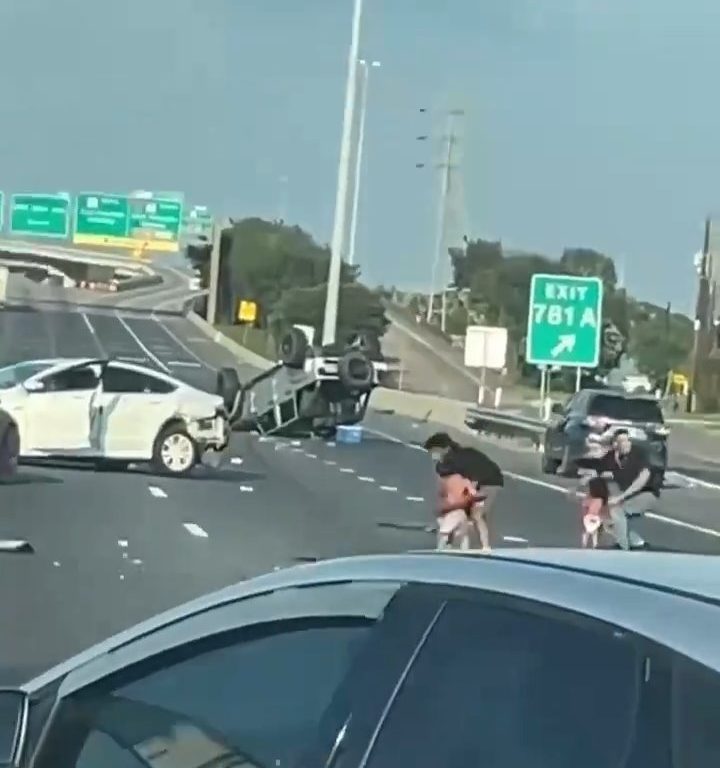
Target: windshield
[
  {"x": 16, "y": 374},
  {"x": 624, "y": 409}
]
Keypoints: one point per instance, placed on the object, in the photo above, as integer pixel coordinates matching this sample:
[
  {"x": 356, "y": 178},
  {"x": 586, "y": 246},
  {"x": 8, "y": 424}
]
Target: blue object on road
[{"x": 349, "y": 435}]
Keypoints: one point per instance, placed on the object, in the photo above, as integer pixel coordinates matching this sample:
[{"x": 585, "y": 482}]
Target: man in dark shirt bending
[
  {"x": 638, "y": 485},
  {"x": 453, "y": 460}
]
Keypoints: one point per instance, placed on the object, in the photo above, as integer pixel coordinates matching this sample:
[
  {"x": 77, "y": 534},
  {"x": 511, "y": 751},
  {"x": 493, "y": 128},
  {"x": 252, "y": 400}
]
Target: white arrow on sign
[{"x": 566, "y": 343}]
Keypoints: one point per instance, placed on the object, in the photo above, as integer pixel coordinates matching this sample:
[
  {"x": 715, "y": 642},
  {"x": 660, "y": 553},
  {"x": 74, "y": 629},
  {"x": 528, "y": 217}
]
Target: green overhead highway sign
[
  {"x": 158, "y": 220},
  {"x": 137, "y": 222},
  {"x": 99, "y": 216},
  {"x": 564, "y": 321},
  {"x": 40, "y": 215},
  {"x": 198, "y": 222}
]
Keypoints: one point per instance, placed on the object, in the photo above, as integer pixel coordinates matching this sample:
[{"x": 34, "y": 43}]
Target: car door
[
  {"x": 276, "y": 680},
  {"x": 129, "y": 411},
  {"x": 58, "y": 409}
]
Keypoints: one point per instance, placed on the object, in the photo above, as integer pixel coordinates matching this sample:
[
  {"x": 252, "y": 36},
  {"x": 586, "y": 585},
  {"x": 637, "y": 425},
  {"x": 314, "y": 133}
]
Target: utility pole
[
  {"x": 343, "y": 182},
  {"x": 702, "y": 320},
  {"x": 365, "y": 78},
  {"x": 448, "y": 167},
  {"x": 214, "y": 282}
]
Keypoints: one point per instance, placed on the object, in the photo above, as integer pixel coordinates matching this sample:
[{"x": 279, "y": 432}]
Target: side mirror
[
  {"x": 34, "y": 386},
  {"x": 557, "y": 409}
]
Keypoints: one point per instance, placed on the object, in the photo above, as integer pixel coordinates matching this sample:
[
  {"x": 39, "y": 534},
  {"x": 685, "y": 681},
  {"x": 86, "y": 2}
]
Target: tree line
[
  {"x": 284, "y": 271},
  {"x": 492, "y": 287}
]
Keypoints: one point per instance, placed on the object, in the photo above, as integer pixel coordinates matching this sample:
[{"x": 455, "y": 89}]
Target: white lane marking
[
  {"x": 236, "y": 460},
  {"x": 297, "y": 450},
  {"x": 330, "y": 444},
  {"x": 183, "y": 364},
  {"x": 330, "y": 463},
  {"x": 93, "y": 332},
  {"x": 195, "y": 530},
  {"x": 264, "y": 439},
  {"x": 683, "y": 524},
  {"x": 246, "y": 489},
  {"x": 384, "y": 435},
  {"x": 122, "y": 543},
  {"x": 366, "y": 479},
  {"x": 515, "y": 539},
  {"x": 136, "y": 561},
  {"x": 311, "y": 455},
  {"x": 56, "y": 563},
  {"x": 388, "y": 488},
  {"x": 295, "y": 443},
  {"x": 138, "y": 341},
  {"x": 414, "y": 498},
  {"x": 158, "y": 493},
  {"x": 533, "y": 481},
  {"x": 694, "y": 481},
  {"x": 347, "y": 470},
  {"x": 184, "y": 346}
]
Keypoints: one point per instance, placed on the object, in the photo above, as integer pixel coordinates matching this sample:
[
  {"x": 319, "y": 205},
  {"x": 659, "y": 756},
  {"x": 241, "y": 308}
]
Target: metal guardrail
[{"x": 505, "y": 424}]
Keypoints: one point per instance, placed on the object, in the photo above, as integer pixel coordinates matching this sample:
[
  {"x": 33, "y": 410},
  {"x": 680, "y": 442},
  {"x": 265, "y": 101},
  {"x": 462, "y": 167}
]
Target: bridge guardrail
[{"x": 505, "y": 424}]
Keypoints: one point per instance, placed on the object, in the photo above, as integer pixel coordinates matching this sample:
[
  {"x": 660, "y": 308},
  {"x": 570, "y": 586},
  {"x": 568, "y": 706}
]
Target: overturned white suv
[{"x": 114, "y": 412}]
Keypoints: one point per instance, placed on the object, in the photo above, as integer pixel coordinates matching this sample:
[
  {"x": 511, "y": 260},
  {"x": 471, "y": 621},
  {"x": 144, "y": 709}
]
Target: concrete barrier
[
  {"x": 421, "y": 407},
  {"x": 243, "y": 354}
]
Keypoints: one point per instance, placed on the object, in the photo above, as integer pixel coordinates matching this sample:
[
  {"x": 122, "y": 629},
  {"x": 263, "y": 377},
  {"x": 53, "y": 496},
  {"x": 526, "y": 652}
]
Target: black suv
[{"x": 581, "y": 430}]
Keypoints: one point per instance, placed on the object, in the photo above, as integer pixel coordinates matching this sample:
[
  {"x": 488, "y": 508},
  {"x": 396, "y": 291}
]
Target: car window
[
  {"x": 72, "y": 379},
  {"x": 257, "y": 698},
  {"x": 510, "y": 688},
  {"x": 626, "y": 409},
  {"x": 695, "y": 715},
  {"x": 16, "y": 374},
  {"x": 116, "y": 379}
]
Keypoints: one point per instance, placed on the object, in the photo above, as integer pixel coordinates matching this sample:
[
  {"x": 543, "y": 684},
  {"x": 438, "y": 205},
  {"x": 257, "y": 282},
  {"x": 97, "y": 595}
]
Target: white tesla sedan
[{"x": 112, "y": 411}]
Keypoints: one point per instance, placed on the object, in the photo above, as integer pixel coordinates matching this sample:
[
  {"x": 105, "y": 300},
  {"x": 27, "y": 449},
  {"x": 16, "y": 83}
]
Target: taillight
[{"x": 595, "y": 422}]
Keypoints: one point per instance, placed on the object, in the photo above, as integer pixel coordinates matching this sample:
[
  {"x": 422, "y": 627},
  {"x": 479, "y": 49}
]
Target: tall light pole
[
  {"x": 343, "y": 182},
  {"x": 365, "y": 75}
]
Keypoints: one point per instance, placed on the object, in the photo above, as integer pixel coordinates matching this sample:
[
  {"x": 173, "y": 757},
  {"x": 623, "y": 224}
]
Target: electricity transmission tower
[{"x": 450, "y": 225}]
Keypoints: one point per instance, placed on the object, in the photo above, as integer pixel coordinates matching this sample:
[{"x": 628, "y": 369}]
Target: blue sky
[{"x": 588, "y": 122}]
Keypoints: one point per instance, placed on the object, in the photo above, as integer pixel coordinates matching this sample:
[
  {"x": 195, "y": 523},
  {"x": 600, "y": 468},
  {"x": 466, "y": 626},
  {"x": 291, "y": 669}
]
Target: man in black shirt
[
  {"x": 638, "y": 484},
  {"x": 484, "y": 476}
]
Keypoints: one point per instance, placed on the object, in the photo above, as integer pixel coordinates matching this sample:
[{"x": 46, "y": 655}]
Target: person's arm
[
  {"x": 636, "y": 486},
  {"x": 483, "y": 531}
]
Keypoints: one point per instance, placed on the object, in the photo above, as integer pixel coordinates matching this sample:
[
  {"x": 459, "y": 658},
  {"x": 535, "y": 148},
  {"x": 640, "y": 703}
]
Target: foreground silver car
[{"x": 549, "y": 659}]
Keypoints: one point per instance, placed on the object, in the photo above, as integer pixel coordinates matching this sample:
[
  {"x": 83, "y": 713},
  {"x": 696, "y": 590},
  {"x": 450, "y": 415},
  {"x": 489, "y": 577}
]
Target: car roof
[
  {"x": 64, "y": 362},
  {"x": 638, "y": 591}
]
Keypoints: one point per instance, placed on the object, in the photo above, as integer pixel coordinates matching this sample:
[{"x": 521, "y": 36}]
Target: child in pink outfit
[{"x": 594, "y": 511}]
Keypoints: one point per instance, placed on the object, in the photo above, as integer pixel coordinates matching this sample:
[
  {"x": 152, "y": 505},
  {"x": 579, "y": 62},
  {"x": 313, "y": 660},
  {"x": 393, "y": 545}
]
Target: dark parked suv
[{"x": 582, "y": 430}]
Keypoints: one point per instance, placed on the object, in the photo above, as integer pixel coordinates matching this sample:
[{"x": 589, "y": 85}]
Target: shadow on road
[{"x": 29, "y": 478}]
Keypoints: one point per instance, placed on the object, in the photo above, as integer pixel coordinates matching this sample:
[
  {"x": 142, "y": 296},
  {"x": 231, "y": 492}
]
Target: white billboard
[{"x": 486, "y": 347}]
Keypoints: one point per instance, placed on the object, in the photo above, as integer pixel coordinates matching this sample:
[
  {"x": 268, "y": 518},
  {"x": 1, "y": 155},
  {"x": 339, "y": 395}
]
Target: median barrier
[
  {"x": 459, "y": 415},
  {"x": 242, "y": 353}
]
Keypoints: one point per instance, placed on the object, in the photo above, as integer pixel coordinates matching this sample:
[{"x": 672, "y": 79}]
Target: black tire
[
  {"x": 293, "y": 348},
  {"x": 228, "y": 386},
  {"x": 159, "y": 459},
  {"x": 355, "y": 371},
  {"x": 9, "y": 450},
  {"x": 549, "y": 465},
  {"x": 568, "y": 467}
]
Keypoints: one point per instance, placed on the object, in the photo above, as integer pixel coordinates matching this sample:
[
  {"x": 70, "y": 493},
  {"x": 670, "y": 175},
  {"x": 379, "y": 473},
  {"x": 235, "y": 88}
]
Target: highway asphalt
[{"x": 113, "y": 548}]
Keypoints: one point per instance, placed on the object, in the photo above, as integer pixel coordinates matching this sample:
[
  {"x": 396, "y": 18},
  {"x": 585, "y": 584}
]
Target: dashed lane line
[
  {"x": 195, "y": 530},
  {"x": 200, "y": 363},
  {"x": 140, "y": 344},
  {"x": 390, "y": 488},
  {"x": 93, "y": 333},
  {"x": 158, "y": 493},
  {"x": 366, "y": 479}
]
